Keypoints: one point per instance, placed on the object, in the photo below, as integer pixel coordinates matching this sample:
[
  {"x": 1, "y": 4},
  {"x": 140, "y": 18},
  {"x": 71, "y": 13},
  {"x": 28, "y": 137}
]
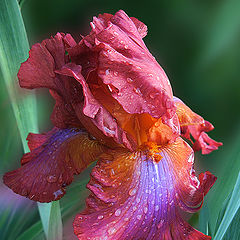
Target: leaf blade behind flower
[
  {"x": 230, "y": 212},
  {"x": 14, "y": 48}
]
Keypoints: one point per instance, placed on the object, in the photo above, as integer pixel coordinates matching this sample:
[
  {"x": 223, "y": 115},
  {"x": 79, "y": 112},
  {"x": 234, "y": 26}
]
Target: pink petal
[
  {"x": 39, "y": 72},
  {"x": 96, "y": 112}
]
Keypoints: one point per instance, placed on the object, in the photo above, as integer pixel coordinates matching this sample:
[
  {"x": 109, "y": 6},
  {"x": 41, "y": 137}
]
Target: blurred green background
[{"x": 198, "y": 45}]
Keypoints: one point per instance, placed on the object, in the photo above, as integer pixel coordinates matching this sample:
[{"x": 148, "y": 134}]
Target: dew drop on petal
[
  {"x": 57, "y": 193},
  {"x": 160, "y": 224},
  {"x": 118, "y": 212},
  {"x": 111, "y": 230},
  {"x": 139, "y": 217},
  {"x": 100, "y": 217},
  {"x": 112, "y": 172},
  {"x": 145, "y": 210},
  {"x": 156, "y": 208},
  {"x": 152, "y": 95},
  {"x": 129, "y": 80},
  {"x": 107, "y": 71},
  {"x": 132, "y": 191},
  {"x": 137, "y": 91},
  {"x": 51, "y": 178}
]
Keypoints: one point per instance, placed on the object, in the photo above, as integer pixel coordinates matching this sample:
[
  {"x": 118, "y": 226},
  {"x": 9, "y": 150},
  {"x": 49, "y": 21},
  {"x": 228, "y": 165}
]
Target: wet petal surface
[
  {"x": 194, "y": 125},
  {"x": 54, "y": 158},
  {"x": 138, "y": 195}
]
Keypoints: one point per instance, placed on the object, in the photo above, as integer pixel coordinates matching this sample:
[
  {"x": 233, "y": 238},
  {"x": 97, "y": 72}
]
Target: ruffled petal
[
  {"x": 96, "y": 112},
  {"x": 194, "y": 125},
  {"x": 54, "y": 158},
  {"x": 115, "y": 50},
  {"x": 137, "y": 195},
  {"x": 39, "y": 72}
]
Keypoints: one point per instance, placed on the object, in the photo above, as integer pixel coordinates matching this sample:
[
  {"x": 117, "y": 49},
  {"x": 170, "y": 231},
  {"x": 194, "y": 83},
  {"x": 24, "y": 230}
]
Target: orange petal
[{"x": 192, "y": 124}]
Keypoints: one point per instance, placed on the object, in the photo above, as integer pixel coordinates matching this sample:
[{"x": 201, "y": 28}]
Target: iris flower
[{"x": 114, "y": 104}]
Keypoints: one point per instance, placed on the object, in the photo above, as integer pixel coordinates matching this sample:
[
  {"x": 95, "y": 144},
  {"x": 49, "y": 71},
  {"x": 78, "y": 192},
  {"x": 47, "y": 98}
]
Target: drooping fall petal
[
  {"x": 54, "y": 158},
  {"x": 138, "y": 195},
  {"x": 194, "y": 125}
]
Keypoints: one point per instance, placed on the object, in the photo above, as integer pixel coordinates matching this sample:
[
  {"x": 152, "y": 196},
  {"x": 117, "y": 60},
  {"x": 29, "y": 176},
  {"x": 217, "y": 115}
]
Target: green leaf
[
  {"x": 33, "y": 232},
  {"x": 226, "y": 178},
  {"x": 55, "y": 226},
  {"x": 13, "y": 51},
  {"x": 230, "y": 212},
  {"x": 204, "y": 219}
]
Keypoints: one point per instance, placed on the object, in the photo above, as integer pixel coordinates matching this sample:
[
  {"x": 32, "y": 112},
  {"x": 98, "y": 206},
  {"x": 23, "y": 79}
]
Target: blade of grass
[
  {"x": 230, "y": 212},
  {"x": 14, "y": 50}
]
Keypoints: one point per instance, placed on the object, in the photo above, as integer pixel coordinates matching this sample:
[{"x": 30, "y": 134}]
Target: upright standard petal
[
  {"x": 39, "y": 72},
  {"x": 54, "y": 158},
  {"x": 115, "y": 54},
  {"x": 194, "y": 125},
  {"x": 138, "y": 195}
]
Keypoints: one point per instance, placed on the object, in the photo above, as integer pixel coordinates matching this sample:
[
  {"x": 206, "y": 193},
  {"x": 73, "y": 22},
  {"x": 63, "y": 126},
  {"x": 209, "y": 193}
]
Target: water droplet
[
  {"x": 107, "y": 130},
  {"x": 160, "y": 224},
  {"x": 112, "y": 172},
  {"x": 100, "y": 217},
  {"x": 60, "y": 179},
  {"x": 59, "y": 192},
  {"x": 152, "y": 95},
  {"x": 118, "y": 212},
  {"x": 31, "y": 197},
  {"x": 132, "y": 191},
  {"x": 137, "y": 91},
  {"x": 126, "y": 46},
  {"x": 92, "y": 25},
  {"x": 126, "y": 219},
  {"x": 51, "y": 178},
  {"x": 111, "y": 230},
  {"x": 156, "y": 208},
  {"x": 145, "y": 210},
  {"x": 115, "y": 73},
  {"x": 115, "y": 33},
  {"x": 107, "y": 71},
  {"x": 129, "y": 80},
  {"x": 139, "y": 217}
]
